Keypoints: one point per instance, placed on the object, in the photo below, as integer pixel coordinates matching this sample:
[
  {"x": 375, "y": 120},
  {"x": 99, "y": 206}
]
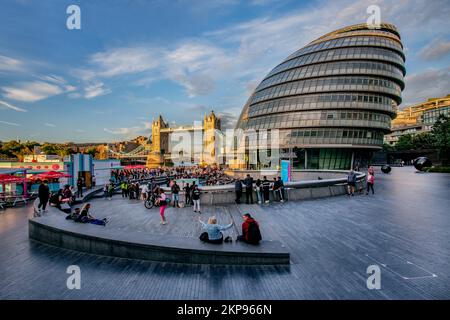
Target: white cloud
[
  {"x": 31, "y": 91},
  {"x": 51, "y": 125},
  {"x": 10, "y": 106},
  {"x": 10, "y": 123},
  {"x": 435, "y": 50},
  {"x": 126, "y": 60},
  {"x": 10, "y": 64},
  {"x": 131, "y": 132},
  {"x": 95, "y": 90},
  {"x": 427, "y": 84}
]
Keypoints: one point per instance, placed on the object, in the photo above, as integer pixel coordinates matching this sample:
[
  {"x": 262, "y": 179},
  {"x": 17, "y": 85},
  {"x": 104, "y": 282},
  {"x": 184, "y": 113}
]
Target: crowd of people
[
  {"x": 207, "y": 175},
  {"x": 261, "y": 187}
]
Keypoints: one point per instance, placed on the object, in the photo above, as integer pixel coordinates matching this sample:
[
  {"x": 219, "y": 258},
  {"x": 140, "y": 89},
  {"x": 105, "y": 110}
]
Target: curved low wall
[{"x": 53, "y": 229}]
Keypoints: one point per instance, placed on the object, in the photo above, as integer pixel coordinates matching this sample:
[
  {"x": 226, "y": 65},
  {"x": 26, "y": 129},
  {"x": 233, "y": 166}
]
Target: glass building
[{"x": 332, "y": 100}]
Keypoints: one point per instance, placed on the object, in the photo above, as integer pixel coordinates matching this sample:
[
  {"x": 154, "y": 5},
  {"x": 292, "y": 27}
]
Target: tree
[
  {"x": 387, "y": 147},
  {"x": 423, "y": 140},
  {"x": 441, "y": 133},
  {"x": 92, "y": 151},
  {"x": 49, "y": 148},
  {"x": 405, "y": 142}
]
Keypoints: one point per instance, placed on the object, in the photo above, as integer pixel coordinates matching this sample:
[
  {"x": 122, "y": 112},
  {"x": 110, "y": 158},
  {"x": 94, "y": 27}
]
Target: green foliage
[
  {"x": 423, "y": 140},
  {"x": 440, "y": 169},
  {"x": 405, "y": 142},
  {"x": 441, "y": 133},
  {"x": 92, "y": 151},
  {"x": 15, "y": 149}
]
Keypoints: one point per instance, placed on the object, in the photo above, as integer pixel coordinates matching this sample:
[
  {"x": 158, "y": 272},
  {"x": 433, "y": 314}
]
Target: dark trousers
[
  {"x": 266, "y": 194},
  {"x": 43, "y": 203},
  {"x": 188, "y": 198},
  {"x": 370, "y": 186},
  {"x": 249, "y": 195},
  {"x": 242, "y": 238},
  {"x": 238, "y": 196},
  {"x": 79, "y": 191},
  {"x": 205, "y": 238}
]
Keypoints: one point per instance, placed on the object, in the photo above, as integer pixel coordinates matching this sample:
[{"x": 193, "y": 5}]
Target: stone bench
[{"x": 53, "y": 229}]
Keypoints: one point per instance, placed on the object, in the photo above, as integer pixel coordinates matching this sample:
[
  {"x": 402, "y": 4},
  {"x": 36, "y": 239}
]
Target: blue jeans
[
  {"x": 176, "y": 198},
  {"x": 259, "y": 195}
]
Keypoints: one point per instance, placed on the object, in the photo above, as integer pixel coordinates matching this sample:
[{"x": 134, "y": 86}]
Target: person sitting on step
[{"x": 213, "y": 230}]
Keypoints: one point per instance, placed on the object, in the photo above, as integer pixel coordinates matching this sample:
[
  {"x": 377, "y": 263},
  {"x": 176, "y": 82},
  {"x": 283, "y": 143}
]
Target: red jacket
[{"x": 246, "y": 225}]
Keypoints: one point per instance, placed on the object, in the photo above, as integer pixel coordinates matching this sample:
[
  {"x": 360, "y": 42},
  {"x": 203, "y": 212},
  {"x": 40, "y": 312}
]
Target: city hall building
[{"x": 332, "y": 100}]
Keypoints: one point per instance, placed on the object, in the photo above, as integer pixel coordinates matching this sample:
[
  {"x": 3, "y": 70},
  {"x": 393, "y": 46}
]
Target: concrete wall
[
  {"x": 186, "y": 251},
  {"x": 297, "y": 175}
]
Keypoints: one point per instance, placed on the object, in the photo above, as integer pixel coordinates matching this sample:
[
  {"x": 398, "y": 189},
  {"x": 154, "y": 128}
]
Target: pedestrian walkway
[{"x": 404, "y": 229}]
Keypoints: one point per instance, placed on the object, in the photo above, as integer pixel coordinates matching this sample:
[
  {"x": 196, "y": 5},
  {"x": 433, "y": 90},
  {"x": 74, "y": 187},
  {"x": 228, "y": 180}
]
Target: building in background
[
  {"x": 332, "y": 100},
  {"x": 418, "y": 118}
]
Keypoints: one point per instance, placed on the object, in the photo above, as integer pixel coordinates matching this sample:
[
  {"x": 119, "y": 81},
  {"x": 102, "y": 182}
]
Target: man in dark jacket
[
  {"x": 175, "y": 191},
  {"x": 187, "y": 194},
  {"x": 248, "y": 182},
  {"x": 281, "y": 189},
  {"x": 250, "y": 230},
  {"x": 238, "y": 191},
  {"x": 80, "y": 188},
  {"x": 266, "y": 189},
  {"x": 44, "y": 195}
]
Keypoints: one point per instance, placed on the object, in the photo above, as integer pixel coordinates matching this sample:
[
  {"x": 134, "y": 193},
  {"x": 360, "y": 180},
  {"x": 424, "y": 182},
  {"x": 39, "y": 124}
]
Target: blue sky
[{"x": 133, "y": 60}]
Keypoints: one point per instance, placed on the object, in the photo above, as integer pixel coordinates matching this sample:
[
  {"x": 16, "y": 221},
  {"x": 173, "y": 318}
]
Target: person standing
[
  {"x": 275, "y": 188},
  {"x": 105, "y": 191},
  {"x": 175, "y": 194},
  {"x": 196, "y": 198},
  {"x": 191, "y": 192},
  {"x": 258, "y": 190},
  {"x": 110, "y": 190},
  {"x": 266, "y": 189},
  {"x": 351, "y": 183},
  {"x": 80, "y": 187},
  {"x": 187, "y": 194},
  {"x": 281, "y": 189},
  {"x": 144, "y": 192},
  {"x": 370, "y": 182},
  {"x": 238, "y": 191},
  {"x": 44, "y": 195},
  {"x": 248, "y": 182},
  {"x": 123, "y": 187},
  {"x": 162, "y": 201}
]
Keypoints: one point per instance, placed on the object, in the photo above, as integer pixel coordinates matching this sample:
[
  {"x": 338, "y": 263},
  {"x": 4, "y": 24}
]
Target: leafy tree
[
  {"x": 441, "y": 133},
  {"x": 387, "y": 147},
  {"x": 405, "y": 142},
  {"x": 423, "y": 140},
  {"x": 92, "y": 151},
  {"x": 49, "y": 148}
]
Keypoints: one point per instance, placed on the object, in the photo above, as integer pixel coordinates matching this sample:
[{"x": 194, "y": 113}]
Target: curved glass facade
[{"x": 334, "y": 99}]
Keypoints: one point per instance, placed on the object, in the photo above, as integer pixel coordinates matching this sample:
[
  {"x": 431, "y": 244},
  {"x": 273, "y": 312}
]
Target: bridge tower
[
  {"x": 210, "y": 124},
  {"x": 160, "y": 143}
]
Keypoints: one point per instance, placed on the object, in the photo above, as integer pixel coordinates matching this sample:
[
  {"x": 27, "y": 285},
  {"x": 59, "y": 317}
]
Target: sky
[{"x": 135, "y": 59}]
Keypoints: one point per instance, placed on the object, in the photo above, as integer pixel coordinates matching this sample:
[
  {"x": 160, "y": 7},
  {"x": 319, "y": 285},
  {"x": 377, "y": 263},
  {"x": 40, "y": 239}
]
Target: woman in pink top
[
  {"x": 162, "y": 205},
  {"x": 370, "y": 182}
]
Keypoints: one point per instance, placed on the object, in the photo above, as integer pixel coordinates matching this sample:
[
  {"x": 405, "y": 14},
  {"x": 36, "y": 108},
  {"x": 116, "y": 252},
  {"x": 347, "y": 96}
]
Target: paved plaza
[{"x": 404, "y": 228}]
